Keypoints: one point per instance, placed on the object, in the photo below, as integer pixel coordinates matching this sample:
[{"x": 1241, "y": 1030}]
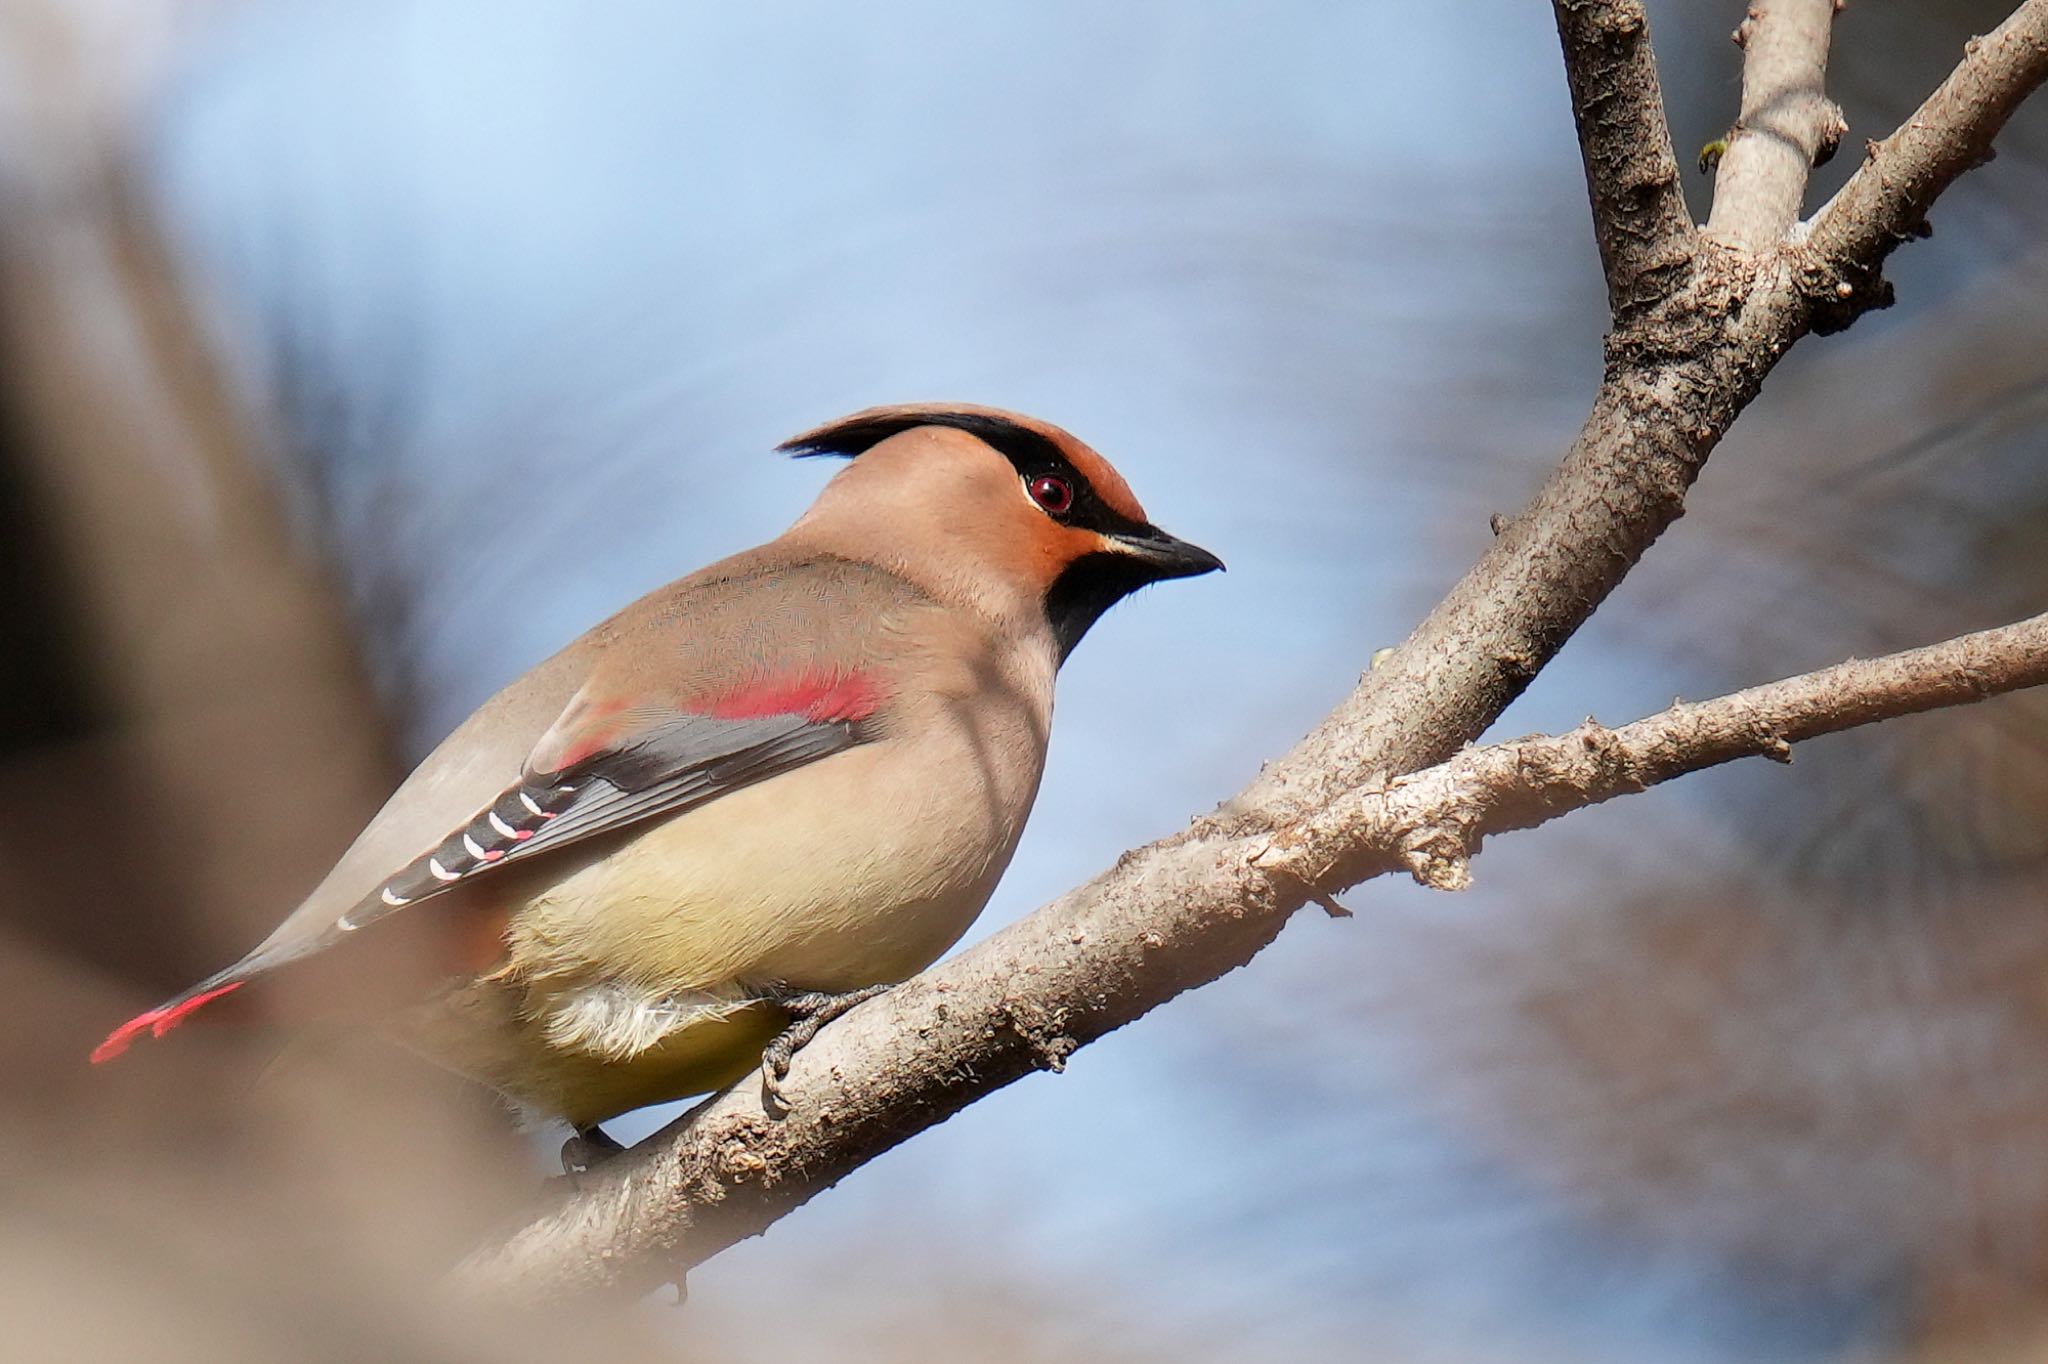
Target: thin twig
[
  {"x": 1886, "y": 202},
  {"x": 1787, "y": 125},
  {"x": 1431, "y": 822}
]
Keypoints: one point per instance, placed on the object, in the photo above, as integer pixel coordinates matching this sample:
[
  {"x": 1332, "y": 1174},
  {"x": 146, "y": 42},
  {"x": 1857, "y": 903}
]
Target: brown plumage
[{"x": 799, "y": 770}]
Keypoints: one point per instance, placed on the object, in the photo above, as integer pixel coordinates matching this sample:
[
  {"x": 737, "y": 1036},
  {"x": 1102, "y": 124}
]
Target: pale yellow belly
[
  {"x": 855, "y": 870},
  {"x": 852, "y": 870}
]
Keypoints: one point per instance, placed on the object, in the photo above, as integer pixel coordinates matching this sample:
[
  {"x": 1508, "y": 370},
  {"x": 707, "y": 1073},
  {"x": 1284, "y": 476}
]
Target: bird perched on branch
[{"x": 752, "y": 797}]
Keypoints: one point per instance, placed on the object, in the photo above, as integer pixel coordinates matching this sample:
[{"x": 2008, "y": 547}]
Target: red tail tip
[
  {"x": 157, "y": 1021},
  {"x": 118, "y": 1040}
]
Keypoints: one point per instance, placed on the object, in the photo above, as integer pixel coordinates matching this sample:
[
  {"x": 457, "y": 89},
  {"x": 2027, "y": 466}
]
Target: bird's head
[{"x": 992, "y": 505}]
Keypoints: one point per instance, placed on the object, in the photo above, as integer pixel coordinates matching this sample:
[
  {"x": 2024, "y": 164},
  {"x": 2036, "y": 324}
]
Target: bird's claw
[
  {"x": 588, "y": 1149},
  {"x": 808, "y": 1012}
]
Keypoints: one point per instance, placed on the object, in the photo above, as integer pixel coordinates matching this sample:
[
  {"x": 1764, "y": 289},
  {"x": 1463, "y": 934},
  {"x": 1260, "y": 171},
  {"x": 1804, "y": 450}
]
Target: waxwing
[{"x": 752, "y": 796}]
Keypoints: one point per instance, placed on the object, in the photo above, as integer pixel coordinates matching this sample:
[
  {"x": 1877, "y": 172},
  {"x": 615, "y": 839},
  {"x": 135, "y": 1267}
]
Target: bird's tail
[{"x": 160, "y": 1020}]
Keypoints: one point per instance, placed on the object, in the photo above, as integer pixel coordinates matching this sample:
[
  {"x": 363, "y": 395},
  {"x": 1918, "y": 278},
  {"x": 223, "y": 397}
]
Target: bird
[{"x": 747, "y": 801}]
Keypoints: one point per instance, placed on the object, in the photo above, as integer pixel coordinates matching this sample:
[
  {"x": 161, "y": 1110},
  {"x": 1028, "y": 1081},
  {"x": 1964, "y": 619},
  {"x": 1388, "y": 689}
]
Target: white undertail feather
[{"x": 616, "y": 1020}]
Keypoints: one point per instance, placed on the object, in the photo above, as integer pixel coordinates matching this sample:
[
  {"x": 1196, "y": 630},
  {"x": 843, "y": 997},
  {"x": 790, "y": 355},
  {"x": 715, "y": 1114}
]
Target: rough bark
[{"x": 1639, "y": 216}]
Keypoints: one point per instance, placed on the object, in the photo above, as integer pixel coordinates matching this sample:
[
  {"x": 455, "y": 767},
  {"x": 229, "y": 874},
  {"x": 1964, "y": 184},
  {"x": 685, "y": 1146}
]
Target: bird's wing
[
  {"x": 609, "y": 762},
  {"x": 707, "y": 702}
]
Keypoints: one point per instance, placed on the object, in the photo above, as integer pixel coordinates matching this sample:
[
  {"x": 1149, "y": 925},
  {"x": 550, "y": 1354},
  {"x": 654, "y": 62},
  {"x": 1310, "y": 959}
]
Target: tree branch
[
  {"x": 1029, "y": 996},
  {"x": 1675, "y": 380},
  {"x": 1787, "y": 126},
  {"x": 1432, "y": 822},
  {"x": 1696, "y": 331},
  {"x": 1678, "y": 374},
  {"x": 1639, "y": 216},
  {"x": 1886, "y": 202}
]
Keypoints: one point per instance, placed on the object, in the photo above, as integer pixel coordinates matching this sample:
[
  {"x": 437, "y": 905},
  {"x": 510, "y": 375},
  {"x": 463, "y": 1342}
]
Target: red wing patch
[
  {"x": 157, "y": 1021},
  {"x": 820, "y": 697},
  {"x": 597, "y": 725}
]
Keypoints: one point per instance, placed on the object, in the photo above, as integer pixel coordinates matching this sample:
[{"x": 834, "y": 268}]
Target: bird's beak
[{"x": 1163, "y": 555}]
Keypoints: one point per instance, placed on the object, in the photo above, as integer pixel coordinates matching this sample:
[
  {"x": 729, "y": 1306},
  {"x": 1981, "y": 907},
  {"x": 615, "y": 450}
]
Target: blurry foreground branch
[
  {"x": 135, "y": 491},
  {"x": 1697, "y": 326}
]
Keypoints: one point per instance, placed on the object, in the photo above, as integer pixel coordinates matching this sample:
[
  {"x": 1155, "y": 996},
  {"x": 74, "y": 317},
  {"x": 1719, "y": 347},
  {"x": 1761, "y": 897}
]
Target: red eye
[{"x": 1051, "y": 493}]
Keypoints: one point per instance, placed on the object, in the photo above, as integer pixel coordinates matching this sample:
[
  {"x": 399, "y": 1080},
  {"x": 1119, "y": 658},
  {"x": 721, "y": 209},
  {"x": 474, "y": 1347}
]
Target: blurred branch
[
  {"x": 195, "y": 613},
  {"x": 1787, "y": 126},
  {"x": 1696, "y": 330}
]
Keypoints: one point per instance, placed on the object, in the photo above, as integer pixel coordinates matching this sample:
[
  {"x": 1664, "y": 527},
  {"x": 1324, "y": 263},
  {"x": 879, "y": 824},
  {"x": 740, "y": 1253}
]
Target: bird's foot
[
  {"x": 587, "y": 1150},
  {"x": 808, "y": 1012}
]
